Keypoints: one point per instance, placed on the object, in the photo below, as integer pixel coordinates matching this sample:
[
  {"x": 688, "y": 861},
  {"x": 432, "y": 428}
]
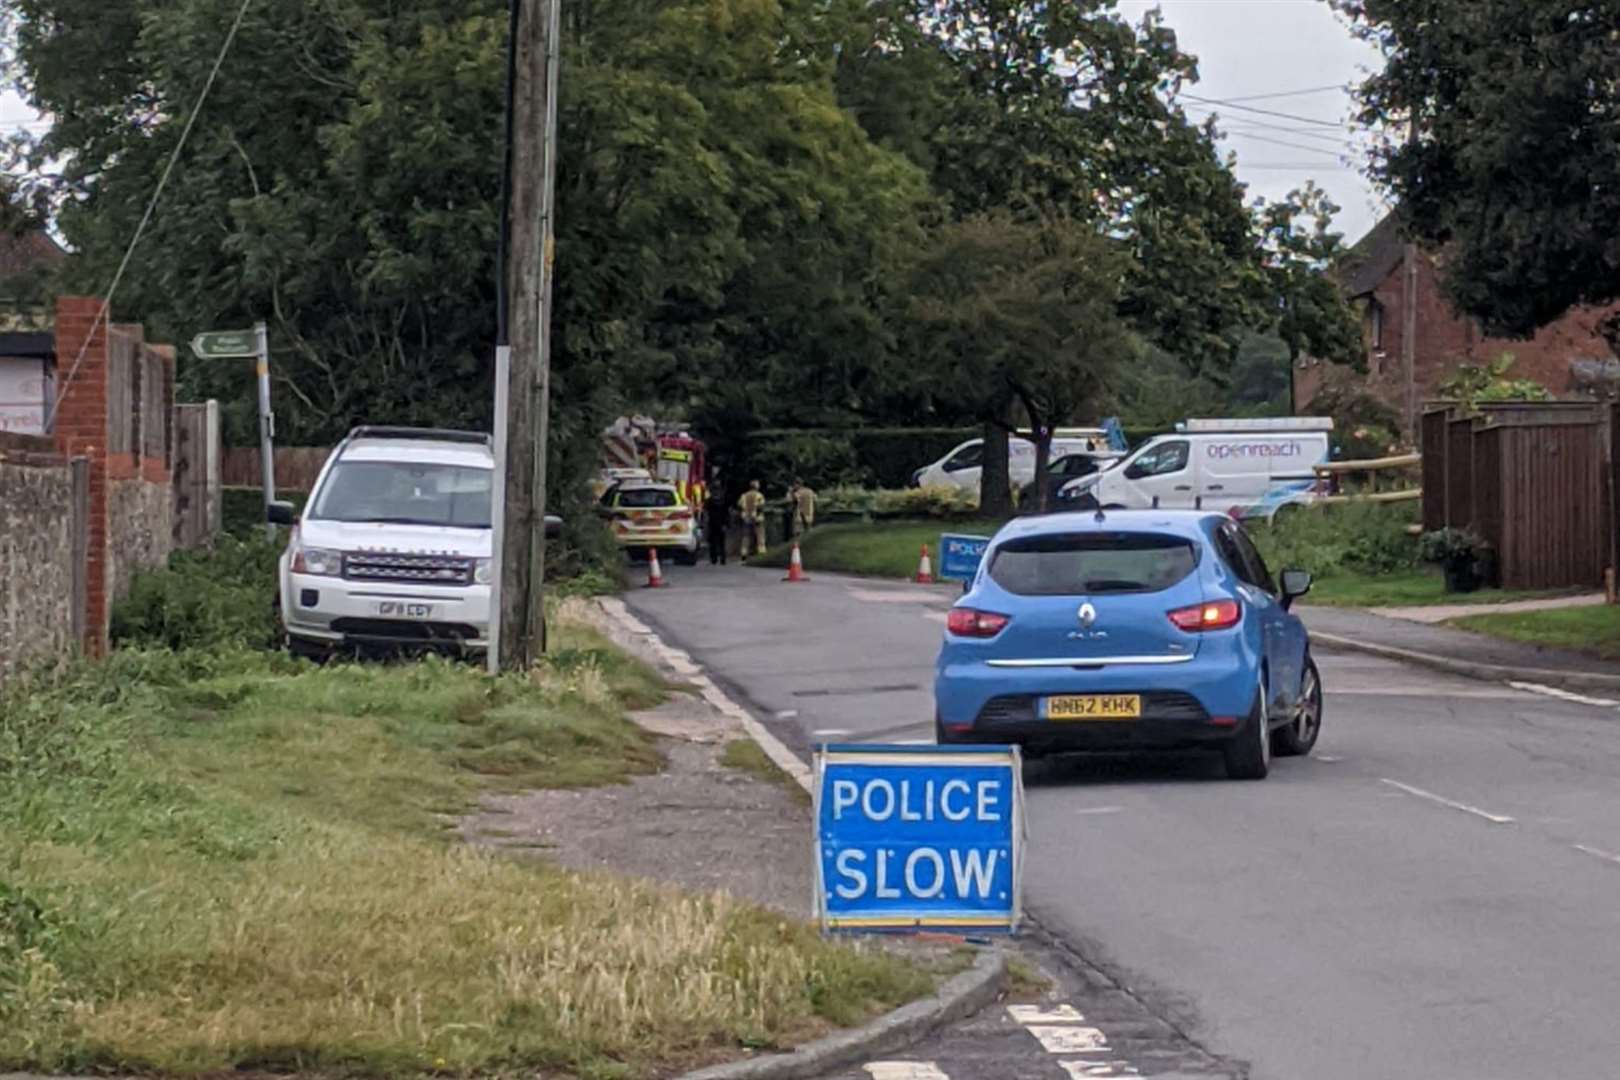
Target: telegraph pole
[{"x": 524, "y": 393}]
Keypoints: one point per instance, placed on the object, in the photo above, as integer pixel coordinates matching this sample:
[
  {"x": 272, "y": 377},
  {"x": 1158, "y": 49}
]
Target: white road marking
[
  {"x": 889, "y": 596},
  {"x": 1438, "y": 691},
  {"x": 1035, "y": 1014},
  {"x": 1598, "y": 853},
  {"x": 1328, "y": 759},
  {"x": 788, "y": 714},
  {"x": 904, "y": 1070},
  {"x": 1085, "y": 1070},
  {"x": 1494, "y": 819},
  {"x": 1563, "y": 695},
  {"x": 1070, "y": 1040},
  {"x": 1098, "y": 810},
  {"x": 823, "y": 734}
]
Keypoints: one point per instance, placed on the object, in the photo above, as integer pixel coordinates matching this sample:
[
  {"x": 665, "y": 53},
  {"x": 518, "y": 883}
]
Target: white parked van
[
  {"x": 961, "y": 467},
  {"x": 1247, "y": 468}
]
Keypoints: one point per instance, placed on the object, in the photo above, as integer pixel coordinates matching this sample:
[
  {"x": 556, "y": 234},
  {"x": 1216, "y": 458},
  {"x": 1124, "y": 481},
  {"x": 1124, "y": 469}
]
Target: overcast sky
[
  {"x": 1244, "y": 48},
  {"x": 1264, "y": 47}
]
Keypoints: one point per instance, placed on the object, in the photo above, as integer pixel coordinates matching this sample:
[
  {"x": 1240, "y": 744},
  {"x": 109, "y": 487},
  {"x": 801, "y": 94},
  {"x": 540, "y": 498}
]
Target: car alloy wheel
[
  {"x": 1248, "y": 755},
  {"x": 1300, "y": 734}
]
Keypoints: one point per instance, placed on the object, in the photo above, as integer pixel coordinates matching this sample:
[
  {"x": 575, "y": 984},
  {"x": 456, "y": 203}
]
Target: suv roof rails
[{"x": 371, "y": 431}]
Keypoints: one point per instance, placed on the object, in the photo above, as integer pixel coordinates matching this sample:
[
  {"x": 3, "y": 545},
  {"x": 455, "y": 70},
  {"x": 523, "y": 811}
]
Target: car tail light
[
  {"x": 1214, "y": 615},
  {"x": 967, "y": 622},
  {"x": 683, "y": 514}
]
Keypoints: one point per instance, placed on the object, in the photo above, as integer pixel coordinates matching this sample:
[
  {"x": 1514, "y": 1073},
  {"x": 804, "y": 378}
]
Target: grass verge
[
  {"x": 746, "y": 756},
  {"x": 874, "y": 549},
  {"x": 1419, "y": 587},
  {"x": 225, "y": 860},
  {"x": 1592, "y": 630}
]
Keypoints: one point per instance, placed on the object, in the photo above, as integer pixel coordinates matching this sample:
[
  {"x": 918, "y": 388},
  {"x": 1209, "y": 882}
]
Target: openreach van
[
  {"x": 1247, "y": 468},
  {"x": 961, "y": 467}
]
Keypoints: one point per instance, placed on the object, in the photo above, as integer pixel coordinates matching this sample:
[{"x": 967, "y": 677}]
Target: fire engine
[{"x": 666, "y": 451}]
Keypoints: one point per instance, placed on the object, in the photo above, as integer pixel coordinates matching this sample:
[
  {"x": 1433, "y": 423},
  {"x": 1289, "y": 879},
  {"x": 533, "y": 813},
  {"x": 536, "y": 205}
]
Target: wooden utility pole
[{"x": 532, "y": 156}]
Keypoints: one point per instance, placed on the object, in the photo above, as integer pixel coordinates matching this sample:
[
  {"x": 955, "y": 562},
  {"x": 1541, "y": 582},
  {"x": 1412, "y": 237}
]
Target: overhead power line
[
  {"x": 1266, "y": 112},
  {"x": 1288, "y": 93},
  {"x": 1291, "y": 145},
  {"x": 151, "y": 207}
]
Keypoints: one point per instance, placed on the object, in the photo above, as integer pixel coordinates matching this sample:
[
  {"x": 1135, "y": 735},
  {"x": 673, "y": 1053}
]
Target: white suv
[{"x": 393, "y": 548}]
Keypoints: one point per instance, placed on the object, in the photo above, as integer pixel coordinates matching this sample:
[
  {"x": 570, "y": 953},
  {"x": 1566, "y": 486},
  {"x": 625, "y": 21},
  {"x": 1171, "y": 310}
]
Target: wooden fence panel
[
  {"x": 296, "y": 467},
  {"x": 1460, "y": 472},
  {"x": 1554, "y": 505},
  {"x": 1432, "y": 444}
]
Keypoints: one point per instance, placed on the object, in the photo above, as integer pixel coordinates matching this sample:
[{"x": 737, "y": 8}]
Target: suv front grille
[{"x": 421, "y": 569}]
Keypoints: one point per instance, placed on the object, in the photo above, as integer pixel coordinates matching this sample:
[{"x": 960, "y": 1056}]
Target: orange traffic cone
[
  {"x": 796, "y": 566},
  {"x": 925, "y": 568},
  {"x": 655, "y": 576}
]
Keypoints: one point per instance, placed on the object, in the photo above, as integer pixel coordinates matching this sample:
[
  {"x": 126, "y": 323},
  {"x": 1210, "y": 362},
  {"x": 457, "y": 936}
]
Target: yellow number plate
[{"x": 1094, "y": 707}]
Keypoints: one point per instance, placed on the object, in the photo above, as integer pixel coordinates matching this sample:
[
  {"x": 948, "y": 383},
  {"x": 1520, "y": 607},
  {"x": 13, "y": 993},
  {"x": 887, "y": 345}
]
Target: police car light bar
[{"x": 1271, "y": 423}]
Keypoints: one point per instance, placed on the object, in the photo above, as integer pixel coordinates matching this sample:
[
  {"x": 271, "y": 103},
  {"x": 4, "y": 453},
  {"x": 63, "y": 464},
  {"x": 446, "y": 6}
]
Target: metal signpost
[
  {"x": 919, "y": 837},
  {"x": 249, "y": 344},
  {"x": 959, "y": 555}
]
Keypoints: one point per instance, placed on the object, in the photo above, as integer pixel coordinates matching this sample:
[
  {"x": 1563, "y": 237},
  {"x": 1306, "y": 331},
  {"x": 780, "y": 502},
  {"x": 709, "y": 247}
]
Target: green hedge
[
  {"x": 242, "y": 508},
  {"x": 833, "y": 457}
]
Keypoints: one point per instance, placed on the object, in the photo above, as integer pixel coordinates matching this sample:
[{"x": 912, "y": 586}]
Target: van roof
[{"x": 1257, "y": 425}]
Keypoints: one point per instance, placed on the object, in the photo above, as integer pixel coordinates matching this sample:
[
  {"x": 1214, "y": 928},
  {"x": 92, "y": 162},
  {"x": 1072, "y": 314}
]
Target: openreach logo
[{"x": 1222, "y": 451}]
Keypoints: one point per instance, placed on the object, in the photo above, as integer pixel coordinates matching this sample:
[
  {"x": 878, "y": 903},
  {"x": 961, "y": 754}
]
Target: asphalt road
[{"x": 1435, "y": 894}]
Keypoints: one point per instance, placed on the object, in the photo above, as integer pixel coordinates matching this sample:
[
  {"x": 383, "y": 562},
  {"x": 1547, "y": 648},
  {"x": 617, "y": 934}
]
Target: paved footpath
[{"x": 1434, "y": 895}]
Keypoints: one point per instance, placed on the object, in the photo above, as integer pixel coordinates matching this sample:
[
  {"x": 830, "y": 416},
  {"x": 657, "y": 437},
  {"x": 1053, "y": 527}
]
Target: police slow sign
[{"x": 915, "y": 837}]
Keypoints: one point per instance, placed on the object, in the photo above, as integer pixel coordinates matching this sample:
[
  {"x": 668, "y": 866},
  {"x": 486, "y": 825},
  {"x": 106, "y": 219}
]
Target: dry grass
[
  {"x": 235, "y": 863},
  {"x": 746, "y": 755}
]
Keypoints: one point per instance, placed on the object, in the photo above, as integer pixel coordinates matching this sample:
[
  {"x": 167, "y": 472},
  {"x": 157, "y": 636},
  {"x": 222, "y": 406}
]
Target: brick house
[
  {"x": 1391, "y": 295},
  {"x": 26, "y": 350}
]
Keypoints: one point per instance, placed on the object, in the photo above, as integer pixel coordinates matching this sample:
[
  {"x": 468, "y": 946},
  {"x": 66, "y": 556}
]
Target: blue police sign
[
  {"x": 913, "y": 837},
  {"x": 959, "y": 555}
]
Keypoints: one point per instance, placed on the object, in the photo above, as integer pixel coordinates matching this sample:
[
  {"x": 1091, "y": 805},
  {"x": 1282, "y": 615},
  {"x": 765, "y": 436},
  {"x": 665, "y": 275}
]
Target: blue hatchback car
[{"x": 1130, "y": 630}]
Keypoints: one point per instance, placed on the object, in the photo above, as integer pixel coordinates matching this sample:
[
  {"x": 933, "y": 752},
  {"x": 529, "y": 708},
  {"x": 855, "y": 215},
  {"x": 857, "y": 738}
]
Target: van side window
[
  {"x": 1161, "y": 460},
  {"x": 966, "y": 458}
]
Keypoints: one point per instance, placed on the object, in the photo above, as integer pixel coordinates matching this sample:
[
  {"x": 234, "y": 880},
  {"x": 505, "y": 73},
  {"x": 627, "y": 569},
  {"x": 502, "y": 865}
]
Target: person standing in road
[
  {"x": 802, "y": 502},
  {"x": 752, "y": 508},
  {"x": 715, "y": 517}
]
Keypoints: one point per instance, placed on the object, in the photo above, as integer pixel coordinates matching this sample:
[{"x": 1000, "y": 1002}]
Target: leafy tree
[
  {"x": 1021, "y": 313},
  {"x": 1472, "y": 384},
  {"x": 724, "y": 239},
  {"x": 1502, "y": 146},
  {"x": 1044, "y": 109},
  {"x": 1298, "y": 246}
]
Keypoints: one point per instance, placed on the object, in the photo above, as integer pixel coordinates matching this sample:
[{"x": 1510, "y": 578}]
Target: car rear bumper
[
  {"x": 662, "y": 541},
  {"x": 1202, "y": 701}
]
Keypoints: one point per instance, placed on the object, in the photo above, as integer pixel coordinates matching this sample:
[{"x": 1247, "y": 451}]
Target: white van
[
  {"x": 961, "y": 467},
  {"x": 1247, "y": 468}
]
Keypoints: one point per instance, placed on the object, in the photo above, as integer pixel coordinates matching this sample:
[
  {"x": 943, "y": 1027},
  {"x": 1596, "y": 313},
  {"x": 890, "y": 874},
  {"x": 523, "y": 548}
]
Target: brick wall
[
  {"x": 36, "y": 553},
  {"x": 116, "y": 410},
  {"x": 1444, "y": 340}
]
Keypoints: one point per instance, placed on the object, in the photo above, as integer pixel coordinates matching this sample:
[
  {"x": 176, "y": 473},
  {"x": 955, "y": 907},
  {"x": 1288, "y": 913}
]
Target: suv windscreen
[
  {"x": 1089, "y": 563},
  {"x": 406, "y": 493},
  {"x": 647, "y": 499}
]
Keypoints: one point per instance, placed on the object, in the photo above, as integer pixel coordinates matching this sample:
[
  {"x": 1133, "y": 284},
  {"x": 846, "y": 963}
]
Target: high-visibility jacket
[{"x": 752, "y": 504}]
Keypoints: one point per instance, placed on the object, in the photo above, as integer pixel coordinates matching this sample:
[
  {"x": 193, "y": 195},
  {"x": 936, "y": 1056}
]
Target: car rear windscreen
[
  {"x": 1083, "y": 564},
  {"x": 647, "y": 499}
]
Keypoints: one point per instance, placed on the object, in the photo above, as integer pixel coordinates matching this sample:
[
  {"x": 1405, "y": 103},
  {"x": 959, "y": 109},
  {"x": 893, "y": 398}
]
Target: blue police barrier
[
  {"x": 959, "y": 555},
  {"x": 919, "y": 837}
]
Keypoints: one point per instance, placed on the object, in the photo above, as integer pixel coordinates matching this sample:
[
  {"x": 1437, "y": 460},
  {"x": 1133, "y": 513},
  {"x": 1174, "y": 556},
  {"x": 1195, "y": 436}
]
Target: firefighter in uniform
[
  {"x": 802, "y": 507},
  {"x": 752, "y": 507}
]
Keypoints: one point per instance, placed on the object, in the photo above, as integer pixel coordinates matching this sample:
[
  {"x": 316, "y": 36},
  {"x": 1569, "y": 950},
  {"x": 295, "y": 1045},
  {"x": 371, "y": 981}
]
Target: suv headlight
[
  {"x": 483, "y": 571},
  {"x": 320, "y": 562}
]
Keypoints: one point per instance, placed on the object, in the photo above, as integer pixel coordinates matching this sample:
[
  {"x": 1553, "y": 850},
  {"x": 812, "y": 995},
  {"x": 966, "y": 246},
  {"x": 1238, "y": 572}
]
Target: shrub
[
  {"x": 204, "y": 599},
  {"x": 242, "y": 508},
  {"x": 945, "y": 503},
  {"x": 1365, "y": 538}
]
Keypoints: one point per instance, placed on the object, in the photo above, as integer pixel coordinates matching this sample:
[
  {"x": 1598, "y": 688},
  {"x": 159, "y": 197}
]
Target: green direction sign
[{"x": 225, "y": 344}]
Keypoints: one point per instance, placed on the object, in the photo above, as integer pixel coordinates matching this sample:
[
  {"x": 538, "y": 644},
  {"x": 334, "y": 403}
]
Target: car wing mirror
[
  {"x": 1295, "y": 584},
  {"x": 554, "y": 526},
  {"x": 280, "y": 513}
]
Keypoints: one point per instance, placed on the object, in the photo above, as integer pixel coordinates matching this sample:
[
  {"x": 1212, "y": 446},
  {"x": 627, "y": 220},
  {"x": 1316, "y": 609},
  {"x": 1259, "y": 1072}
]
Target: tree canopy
[{"x": 1502, "y": 146}]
